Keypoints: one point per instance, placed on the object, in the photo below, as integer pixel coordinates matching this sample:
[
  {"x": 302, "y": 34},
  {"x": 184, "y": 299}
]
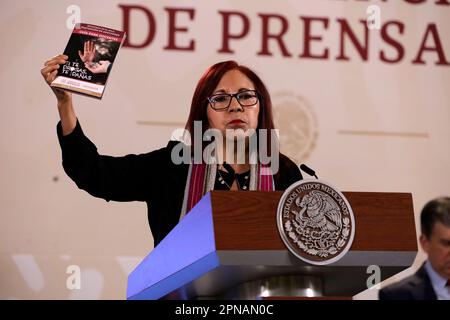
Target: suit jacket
[{"x": 415, "y": 287}]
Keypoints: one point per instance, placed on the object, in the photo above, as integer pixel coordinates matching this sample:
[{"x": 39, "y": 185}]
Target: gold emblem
[{"x": 297, "y": 123}]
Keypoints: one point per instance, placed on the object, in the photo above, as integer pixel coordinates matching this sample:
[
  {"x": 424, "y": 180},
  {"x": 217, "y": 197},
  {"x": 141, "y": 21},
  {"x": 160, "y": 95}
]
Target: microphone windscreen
[{"x": 308, "y": 170}]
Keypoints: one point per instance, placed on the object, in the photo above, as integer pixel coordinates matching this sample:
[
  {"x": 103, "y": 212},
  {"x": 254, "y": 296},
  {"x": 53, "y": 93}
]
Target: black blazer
[
  {"x": 151, "y": 177},
  {"x": 415, "y": 287}
]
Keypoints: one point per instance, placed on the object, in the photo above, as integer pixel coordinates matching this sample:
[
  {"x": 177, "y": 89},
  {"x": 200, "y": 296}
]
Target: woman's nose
[{"x": 235, "y": 105}]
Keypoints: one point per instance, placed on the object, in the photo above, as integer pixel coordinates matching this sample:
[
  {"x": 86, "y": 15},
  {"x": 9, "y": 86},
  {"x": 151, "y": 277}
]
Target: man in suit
[{"x": 431, "y": 281}]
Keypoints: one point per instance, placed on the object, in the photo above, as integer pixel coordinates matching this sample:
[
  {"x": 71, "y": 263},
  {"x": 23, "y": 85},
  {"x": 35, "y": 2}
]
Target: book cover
[{"x": 91, "y": 50}]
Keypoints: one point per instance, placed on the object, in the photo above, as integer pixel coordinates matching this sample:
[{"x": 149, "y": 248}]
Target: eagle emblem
[{"x": 315, "y": 222}]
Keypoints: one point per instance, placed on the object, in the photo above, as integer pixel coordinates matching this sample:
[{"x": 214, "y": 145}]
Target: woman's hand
[
  {"x": 65, "y": 106},
  {"x": 49, "y": 72}
]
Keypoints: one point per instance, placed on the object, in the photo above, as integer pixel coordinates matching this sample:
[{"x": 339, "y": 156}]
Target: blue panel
[
  {"x": 179, "y": 279},
  {"x": 190, "y": 241}
]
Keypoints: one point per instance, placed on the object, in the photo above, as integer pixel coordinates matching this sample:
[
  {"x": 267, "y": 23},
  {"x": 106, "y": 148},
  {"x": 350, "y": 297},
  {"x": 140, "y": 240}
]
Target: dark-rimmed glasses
[{"x": 222, "y": 101}]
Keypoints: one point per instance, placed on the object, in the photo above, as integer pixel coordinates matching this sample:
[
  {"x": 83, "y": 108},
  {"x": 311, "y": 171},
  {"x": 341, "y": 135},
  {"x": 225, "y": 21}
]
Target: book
[{"x": 91, "y": 50}]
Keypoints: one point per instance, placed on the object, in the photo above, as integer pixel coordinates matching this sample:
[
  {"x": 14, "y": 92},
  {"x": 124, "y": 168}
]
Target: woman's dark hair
[
  {"x": 205, "y": 88},
  {"x": 437, "y": 210}
]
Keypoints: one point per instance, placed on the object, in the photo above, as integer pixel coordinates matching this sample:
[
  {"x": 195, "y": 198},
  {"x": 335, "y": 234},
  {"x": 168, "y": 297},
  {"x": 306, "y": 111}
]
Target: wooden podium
[{"x": 230, "y": 238}]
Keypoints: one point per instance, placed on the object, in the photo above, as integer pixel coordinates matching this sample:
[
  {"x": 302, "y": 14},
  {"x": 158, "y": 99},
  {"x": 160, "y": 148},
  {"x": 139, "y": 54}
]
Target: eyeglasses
[{"x": 222, "y": 101}]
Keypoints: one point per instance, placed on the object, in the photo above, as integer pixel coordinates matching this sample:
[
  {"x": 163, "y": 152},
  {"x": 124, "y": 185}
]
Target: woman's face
[{"x": 236, "y": 116}]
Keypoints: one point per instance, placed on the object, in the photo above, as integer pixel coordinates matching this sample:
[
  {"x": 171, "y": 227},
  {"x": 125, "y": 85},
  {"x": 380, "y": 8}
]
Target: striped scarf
[{"x": 201, "y": 179}]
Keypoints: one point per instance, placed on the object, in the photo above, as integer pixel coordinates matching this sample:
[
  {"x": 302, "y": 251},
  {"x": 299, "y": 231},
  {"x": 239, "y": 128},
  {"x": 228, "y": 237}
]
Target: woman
[{"x": 228, "y": 98}]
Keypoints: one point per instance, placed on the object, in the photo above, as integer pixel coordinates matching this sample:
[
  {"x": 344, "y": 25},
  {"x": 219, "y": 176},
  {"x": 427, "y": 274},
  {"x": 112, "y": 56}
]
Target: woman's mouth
[{"x": 236, "y": 121}]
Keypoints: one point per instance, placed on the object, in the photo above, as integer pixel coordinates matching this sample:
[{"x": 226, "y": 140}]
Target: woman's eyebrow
[{"x": 223, "y": 91}]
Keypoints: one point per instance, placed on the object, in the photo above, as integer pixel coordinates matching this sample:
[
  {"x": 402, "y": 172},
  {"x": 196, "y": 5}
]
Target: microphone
[{"x": 308, "y": 170}]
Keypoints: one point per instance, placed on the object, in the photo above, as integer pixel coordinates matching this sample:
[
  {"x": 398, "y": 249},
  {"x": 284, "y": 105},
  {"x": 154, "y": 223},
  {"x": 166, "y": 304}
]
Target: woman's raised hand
[
  {"x": 65, "y": 106},
  {"x": 49, "y": 72}
]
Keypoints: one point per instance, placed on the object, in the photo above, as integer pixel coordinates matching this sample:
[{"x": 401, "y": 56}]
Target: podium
[{"x": 228, "y": 247}]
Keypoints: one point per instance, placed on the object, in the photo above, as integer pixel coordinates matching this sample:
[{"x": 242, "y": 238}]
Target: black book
[{"x": 91, "y": 50}]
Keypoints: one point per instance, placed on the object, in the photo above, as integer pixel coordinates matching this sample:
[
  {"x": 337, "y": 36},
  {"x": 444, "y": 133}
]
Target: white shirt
[{"x": 438, "y": 283}]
